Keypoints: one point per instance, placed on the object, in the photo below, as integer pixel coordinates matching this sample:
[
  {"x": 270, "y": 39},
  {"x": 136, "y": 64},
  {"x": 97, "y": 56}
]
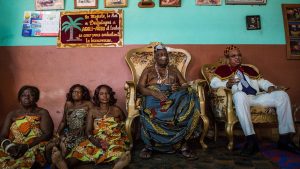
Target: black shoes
[
  {"x": 291, "y": 147},
  {"x": 250, "y": 148}
]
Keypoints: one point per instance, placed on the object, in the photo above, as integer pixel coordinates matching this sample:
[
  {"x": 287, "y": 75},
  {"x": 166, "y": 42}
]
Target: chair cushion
[{"x": 259, "y": 114}]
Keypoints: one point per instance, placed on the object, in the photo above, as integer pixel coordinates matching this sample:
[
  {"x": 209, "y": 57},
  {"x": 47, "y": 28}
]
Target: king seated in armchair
[
  {"x": 170, "y": 110},
  {"x": 245, "y": 84}
]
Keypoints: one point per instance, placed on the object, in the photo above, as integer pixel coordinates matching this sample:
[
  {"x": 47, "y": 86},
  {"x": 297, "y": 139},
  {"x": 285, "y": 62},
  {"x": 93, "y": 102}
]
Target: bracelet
[
  {"x": 9, "y": 146},
  {"x": 3, "y": 141}
]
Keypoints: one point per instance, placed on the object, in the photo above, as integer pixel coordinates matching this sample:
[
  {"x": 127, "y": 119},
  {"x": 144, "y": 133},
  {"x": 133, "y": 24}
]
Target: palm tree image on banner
[
  {"x": 96, "y": 28},
  {"x": 70, "y": 25}
]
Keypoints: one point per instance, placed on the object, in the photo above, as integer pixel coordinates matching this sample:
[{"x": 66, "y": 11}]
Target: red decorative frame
[{"x": 291, "y": 17}]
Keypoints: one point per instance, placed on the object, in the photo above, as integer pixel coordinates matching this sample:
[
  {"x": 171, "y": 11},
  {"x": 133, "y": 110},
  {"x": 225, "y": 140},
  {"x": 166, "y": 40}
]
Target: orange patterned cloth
[
  {"x": 23, "y": 131},
  {"x": 112, "y": 134}
]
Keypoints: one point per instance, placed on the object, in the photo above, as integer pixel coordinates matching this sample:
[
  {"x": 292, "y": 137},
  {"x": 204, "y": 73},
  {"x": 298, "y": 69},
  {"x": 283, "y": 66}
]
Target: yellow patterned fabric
[
  {"x": 23, "y": 131},
  {"x": 112, "y": 134}
]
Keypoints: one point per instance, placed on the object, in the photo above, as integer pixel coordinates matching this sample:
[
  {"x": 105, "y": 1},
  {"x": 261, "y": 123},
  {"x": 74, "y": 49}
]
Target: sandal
[
  {"x": 187, "y": 154},
  {"x": 145, "y": 153}
]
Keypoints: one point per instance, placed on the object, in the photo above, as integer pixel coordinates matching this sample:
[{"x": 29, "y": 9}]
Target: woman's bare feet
[
  {"x": 123, "y": 161},
  {"x": 57, "y": 159}
]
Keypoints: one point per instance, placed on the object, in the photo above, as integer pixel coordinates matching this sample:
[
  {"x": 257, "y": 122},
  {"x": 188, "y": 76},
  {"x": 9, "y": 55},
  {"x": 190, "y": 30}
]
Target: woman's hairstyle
[
  {"x": 85, "y": 93},
  {"x": 34, "y": 90},
  {"x": 112, "y": 99}
]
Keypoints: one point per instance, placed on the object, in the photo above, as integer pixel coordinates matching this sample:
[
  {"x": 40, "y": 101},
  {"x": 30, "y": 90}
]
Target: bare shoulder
[
  {"x": 173, "y": 68},
  {"x": 117, "y": 110},
  {"x": 147, "y": 70},
  {"x": 68, "y": 104},
  {"x": 42, "y": 111},
  {"x": 88, "y": 103},
  {"x": 13, "y": 113}
]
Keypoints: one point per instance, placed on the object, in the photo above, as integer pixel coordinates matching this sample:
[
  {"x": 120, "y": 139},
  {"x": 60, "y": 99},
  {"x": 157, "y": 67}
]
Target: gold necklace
[{"x": 161, "y": 80}]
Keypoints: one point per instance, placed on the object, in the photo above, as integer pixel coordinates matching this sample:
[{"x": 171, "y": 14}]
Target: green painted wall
[{"x": 188, "y": 24}]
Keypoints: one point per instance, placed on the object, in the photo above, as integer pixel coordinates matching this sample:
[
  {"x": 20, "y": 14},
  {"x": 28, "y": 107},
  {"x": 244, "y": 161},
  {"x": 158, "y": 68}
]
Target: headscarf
[{"x": 159, "y": 47}]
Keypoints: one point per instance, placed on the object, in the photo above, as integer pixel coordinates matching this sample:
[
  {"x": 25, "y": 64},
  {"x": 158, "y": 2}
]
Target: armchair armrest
[
  {"x": 230, "y": 115},
  {"x": 130, "y": 93},
  {"x": 131, "y": 107},
  {"x": 198, "y": 85}
]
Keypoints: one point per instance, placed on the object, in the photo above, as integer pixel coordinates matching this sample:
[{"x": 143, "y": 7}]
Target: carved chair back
[{"x": 140, "y": 58}]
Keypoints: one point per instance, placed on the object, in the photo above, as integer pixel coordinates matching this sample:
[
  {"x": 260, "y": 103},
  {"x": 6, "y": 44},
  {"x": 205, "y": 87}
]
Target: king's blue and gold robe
[{"x": 165, "y": 125}]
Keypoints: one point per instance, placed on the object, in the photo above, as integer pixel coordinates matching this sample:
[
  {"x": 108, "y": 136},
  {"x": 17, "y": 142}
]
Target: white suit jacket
[{"x": 257, "y": 84}]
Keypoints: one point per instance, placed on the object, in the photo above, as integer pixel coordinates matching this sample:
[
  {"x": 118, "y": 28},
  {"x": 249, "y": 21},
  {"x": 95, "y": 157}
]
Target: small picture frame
[
  {"x": 169, "y": 3},
  {"x": 49, "y": 4},
  {"x": 115, "y": 3},
  {"x": 246, "y": 2},
  {"x": 253, "y": 22},
  {"x": 209, "y": 2},
  {"x": 146, "y": 4},
  {"x": 85, "y": 4}
]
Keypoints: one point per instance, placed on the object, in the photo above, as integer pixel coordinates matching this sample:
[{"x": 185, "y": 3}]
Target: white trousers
[{"x": 278, "y": 99}]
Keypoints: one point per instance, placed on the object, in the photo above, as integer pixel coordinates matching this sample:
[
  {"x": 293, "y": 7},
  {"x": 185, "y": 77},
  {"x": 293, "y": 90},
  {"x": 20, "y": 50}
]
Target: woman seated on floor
[
  {"x": 107, "y": 140},
  {"x": 71, "y": 130},
  {"x": 25, "y": 132}
]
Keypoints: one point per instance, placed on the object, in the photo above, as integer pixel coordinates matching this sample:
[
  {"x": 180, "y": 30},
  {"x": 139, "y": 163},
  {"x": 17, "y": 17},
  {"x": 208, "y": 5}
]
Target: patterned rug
[
  {"x": 215, "y": 157},
  {"x": 285, "y": 160}
]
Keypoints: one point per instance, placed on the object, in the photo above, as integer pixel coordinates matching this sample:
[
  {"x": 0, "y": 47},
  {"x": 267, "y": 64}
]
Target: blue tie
[{"x": 246, "y": 87}]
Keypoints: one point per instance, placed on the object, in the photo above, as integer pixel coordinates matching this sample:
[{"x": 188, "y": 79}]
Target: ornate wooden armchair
[
  {"x": 222, "y": 106},
  {"x": 140, "y": 58}
]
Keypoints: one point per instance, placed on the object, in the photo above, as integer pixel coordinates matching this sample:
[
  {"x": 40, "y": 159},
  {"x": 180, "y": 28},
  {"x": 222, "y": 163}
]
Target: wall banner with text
[{"x": 94, "y": 28}]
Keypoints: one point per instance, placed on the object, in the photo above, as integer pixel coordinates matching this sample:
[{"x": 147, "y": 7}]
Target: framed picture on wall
[
  {"x": 246, "y": 2},
  {"x": 115, "y": 3},
  {"x": 49, "y": 4},
  {"x": 208, "y": 2},
  {"x": 79, "y": 4},
  {"x": 253, "y": 22},
  {"x": 169, "y": 3},
  {"x": 291, "y": 17}
]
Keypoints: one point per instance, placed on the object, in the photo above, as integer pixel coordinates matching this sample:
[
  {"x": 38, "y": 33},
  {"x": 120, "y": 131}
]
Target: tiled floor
[{"x": 215, "y": 157}]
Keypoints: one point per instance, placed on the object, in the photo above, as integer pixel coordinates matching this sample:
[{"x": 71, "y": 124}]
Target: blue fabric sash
[{"x": 246, "y": 86}]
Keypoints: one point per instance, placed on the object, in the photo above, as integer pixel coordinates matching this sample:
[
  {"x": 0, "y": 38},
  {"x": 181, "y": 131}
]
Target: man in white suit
[{"x": 246, "y": 84}]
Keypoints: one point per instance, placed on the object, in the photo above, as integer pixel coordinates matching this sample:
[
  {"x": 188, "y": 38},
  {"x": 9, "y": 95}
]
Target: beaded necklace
[{"x": 161, "y": 80}]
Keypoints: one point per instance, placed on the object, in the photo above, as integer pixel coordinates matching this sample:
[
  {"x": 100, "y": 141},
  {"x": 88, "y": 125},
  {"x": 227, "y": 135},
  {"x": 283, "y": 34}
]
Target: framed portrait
[
  {"x": 49, "y": 4},
  {"x": 81, "y": 4},
  {"x": 208, "y": 2},
  {"x": 115, "y": 3},
  {"x": 253, "y": 22},
  {"x": 291, "y": 18},
  {"x": 169, "y": 3},
  {"x": 246, "y": 2}
]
